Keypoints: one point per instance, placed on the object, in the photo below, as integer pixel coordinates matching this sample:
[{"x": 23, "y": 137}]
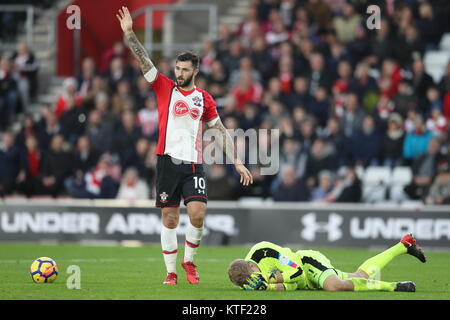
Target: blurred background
[{"x": 363, "y": 113}]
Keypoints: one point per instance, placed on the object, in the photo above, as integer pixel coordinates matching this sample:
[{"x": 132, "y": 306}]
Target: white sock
[
  {"x": 169, "y": 246},
  {"x": 193, "y": 237}
]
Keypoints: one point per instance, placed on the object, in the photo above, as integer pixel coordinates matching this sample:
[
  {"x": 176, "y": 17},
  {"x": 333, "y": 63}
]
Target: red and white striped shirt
[{"x": 180, "y": 116}]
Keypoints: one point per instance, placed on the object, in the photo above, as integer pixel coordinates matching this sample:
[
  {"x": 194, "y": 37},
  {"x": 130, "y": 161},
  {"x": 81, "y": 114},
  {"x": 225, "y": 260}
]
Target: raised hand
[
  {"x": 136, "y": 48},
  {"x": 124, "y": 17}
]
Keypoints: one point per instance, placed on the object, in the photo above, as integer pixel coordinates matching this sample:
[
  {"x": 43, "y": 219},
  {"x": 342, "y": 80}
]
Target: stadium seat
[
  {"x": 401, "y": 176},
  {"x": 376, "y": 181},
  {"x": 435, "y": 63},
  {"x": 360, "y": 172},
  {"x": 445, "y": 42},
  {"x": 374, "y": 193},
  {"x": 377, "y": 176},
  {"x": 436, "y": 72},
  {"x": 397, "y": 193}
]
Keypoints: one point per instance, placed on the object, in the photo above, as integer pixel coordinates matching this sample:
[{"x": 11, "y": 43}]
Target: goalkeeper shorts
[{"x": 318, "y": 268}]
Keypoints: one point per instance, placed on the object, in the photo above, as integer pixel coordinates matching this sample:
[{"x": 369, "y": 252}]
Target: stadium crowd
[
  {"x": 342, "y": 96},
  {"x": 11, "y": 21}
]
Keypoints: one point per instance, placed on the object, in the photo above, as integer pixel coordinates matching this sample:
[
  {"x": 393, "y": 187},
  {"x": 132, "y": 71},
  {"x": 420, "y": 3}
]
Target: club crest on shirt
[{"x": 197, "y": 101}]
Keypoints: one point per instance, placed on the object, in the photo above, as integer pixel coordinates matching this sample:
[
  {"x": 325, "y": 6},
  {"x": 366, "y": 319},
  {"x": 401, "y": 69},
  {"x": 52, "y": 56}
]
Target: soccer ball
[{"x": 44, "y": 270}]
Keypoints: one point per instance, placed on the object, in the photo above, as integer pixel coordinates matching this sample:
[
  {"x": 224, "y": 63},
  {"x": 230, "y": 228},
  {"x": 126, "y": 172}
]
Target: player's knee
[
  {"x": 196, "y": 211},
  {"x": 333, "y": 283},
  {"x": 171, "y": 224},
  {"x": 333, "y": 287},
  {"x": 197, "y": 219},
  {"x": 361, "y": 274},
  {"x": 170, "y": 219}
]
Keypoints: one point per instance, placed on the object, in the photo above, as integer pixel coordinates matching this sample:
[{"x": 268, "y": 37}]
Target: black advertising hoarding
[
  {"x": 65, "y": 223},
  {"x": 307, "y": 226},
  {"x": 353, "y": 228}
]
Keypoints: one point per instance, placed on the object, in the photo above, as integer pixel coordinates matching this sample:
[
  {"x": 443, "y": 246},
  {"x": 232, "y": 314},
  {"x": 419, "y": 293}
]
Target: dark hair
[{"x": 189, "y": 56}]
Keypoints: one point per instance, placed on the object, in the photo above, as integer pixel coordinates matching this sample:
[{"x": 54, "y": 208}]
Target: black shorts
[{"x": 174, "y": 181}]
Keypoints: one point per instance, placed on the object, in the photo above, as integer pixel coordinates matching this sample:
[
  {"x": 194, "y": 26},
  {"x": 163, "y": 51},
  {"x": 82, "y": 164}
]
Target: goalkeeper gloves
[{"x": 256, "y": 281}]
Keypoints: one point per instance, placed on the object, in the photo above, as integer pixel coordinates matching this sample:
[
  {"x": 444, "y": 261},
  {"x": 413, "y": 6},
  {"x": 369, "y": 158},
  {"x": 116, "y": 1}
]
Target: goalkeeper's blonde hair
[{"x": 238, "y": 271}]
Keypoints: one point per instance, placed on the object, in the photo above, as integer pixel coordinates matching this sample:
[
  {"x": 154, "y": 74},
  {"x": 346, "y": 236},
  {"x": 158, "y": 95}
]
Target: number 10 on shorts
[{"x": 200, "y": 184}]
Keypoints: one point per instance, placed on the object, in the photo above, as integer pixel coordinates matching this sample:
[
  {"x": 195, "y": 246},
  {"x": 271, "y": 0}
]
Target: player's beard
[{"x": 185, "y": 83}]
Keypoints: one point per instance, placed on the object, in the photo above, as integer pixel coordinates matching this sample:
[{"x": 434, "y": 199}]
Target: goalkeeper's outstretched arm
[{"x": 138, "y": 50}]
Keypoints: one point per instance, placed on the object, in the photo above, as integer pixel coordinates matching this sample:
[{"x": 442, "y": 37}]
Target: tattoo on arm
[
  {"x": 139, "y": 52},
  {"x": 226, "y": 143}
]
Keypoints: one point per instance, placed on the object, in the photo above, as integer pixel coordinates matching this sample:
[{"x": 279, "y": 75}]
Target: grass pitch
[{"x": 138, "y": 273}]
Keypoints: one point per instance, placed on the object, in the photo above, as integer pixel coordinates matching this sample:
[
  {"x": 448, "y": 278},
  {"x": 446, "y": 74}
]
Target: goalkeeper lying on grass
[{"x": 270, "y": 267}]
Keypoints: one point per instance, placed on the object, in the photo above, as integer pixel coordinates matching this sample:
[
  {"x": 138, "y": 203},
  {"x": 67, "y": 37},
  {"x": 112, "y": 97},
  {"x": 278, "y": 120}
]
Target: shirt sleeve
[
  {"x": 161, "y": 84},
  {"x": 292, "y": 275},
  {"x": 210, "y": 114}
]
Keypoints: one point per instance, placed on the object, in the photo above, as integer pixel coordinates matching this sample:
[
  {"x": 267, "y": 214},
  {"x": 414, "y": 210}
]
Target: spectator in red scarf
[
  {"x": 385, "y": 107},
  {"x": 390, "y": 78},
  {"x": 437, "y": 124},
  {"x": 209, "y": 54},
  {"x": 29, "y": 128},
  {"x": 30, "y": 168},
  {"x": 89, "y": 185},
  {"x": 247, "y": 91},
  {"x": 345, "y": 79},
  {"x": 285, "y": 73},
  {"x": 95, "y": 177},
  {"x": 69, "y": 98}
]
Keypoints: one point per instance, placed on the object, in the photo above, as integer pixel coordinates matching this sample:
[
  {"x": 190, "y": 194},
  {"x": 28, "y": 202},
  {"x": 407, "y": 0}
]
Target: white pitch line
[{"x": 111, "y": 260}]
